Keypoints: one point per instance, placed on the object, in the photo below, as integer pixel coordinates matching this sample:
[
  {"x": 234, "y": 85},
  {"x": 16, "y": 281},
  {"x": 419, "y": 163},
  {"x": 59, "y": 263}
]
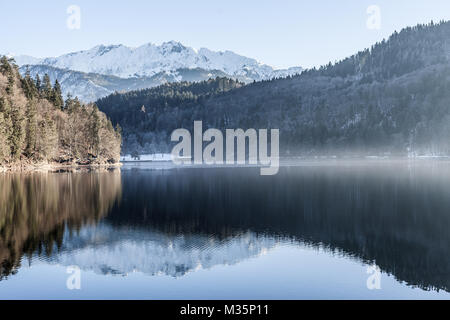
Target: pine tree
[
  {"x": 29, "y": 86},
  {"x": 5, "y": 66},
  {"x": 57, "y": 98},
  {"x": 47, "y": 90},
  {"x": 38, "y": 85},
  {"x": 11, "y": 81},
  {"x": 68, "y": 102}
]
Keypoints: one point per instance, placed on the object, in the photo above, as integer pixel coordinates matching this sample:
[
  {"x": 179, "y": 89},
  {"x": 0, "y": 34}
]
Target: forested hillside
[
  {"x": 37, "y": 126},
  {"x": 150, "y": 115},
  {"x": 393, "y": 98}
]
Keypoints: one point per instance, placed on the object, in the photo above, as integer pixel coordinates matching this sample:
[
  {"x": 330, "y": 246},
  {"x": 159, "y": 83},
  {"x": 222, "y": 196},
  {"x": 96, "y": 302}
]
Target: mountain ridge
[
  {"x": 143, "y": 67},
  {"x": 150, "y": 59}
]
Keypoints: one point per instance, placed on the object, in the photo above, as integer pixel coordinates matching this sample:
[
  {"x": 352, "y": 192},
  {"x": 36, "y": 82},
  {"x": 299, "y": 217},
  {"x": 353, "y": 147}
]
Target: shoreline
[
  {"x": 283, "y": 161},
  {"x": 48, "y": 167}
]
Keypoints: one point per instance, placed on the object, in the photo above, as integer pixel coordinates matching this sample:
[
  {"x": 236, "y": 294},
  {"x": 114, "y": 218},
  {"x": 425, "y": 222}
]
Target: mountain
[
  {"x": 391, "y": 99},
  {"x": 89, "y": 87},
  {"x": 94, "y": 73},
  {"x": 149, "y": 60},
  {"x": 24, "y": 59}
]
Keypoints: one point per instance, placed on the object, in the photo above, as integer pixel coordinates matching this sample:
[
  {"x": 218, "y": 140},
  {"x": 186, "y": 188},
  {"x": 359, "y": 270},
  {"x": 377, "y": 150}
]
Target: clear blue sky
[{"x": 281, "y": 33}]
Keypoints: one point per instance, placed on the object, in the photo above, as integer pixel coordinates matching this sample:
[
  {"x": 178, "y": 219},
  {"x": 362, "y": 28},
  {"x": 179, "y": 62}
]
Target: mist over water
[{"x": 157, "y": 224}]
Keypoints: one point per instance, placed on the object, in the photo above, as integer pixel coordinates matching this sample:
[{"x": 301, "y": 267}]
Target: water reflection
[
  {"x": 35, "y": 209},
  {"x": 176, "y": 221},
  {"x": 119, "y": 251},
  {"x": 396, "y": 216}
]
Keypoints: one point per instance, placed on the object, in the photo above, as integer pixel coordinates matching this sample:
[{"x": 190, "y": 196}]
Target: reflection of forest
[
  {"x": 396, "y": 216},
  {"x": 35, "y": 209}
]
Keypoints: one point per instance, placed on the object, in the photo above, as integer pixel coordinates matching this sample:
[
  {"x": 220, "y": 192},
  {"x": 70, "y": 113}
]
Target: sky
[{"x": 281, "y": 33}]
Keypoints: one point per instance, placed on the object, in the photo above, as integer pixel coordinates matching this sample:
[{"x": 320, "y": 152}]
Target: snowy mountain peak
[
  {"x": 102, "y": 49},
  {"x": 150, "y": 59},
  {"x": 94, "y": 73}
]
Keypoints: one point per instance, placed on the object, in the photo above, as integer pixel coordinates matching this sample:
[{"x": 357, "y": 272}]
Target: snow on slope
[
  {"x": 102, "y": 70},
  {"x": 149, "y": 60},
  {"x": 89, "y": 87},
  {"x": 77, "y": 84}
]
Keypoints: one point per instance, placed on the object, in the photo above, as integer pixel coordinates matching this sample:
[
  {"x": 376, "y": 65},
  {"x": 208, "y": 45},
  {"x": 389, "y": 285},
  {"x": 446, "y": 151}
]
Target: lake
[{"x": 317, "y": 230}]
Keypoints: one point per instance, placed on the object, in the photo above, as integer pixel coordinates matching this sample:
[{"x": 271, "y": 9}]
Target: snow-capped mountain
[
  {"x": 97, "y": 72},
  {"x": 149, "y": 60}
]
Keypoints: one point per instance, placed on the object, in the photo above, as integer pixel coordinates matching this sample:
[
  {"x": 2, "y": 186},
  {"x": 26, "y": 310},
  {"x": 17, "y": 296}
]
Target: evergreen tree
[
  {"x": 47, "y": 90},
  {"x": 11, "y": 81},
  {"x": 38, "y": 85},
  {"x": 5, "y": 66},
  {"x": 68, "y": 103},
  {"x": 57, "y": 98},
  {"x": 29, "y": 86}
]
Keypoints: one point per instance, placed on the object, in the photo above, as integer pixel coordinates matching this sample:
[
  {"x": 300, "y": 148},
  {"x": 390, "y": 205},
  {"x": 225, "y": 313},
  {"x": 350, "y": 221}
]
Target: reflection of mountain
[
  {"x": 175, "y": 221},
  {"x": 391, "y": 215},
  {"x": 107, "y": 250},
  {"x": 35, "y": 209}
]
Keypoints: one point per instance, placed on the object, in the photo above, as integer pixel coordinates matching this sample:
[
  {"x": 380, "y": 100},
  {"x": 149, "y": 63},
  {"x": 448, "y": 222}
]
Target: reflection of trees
[
  {"x": 36, "y": 208},
  {"x": 394, "y": 216}
]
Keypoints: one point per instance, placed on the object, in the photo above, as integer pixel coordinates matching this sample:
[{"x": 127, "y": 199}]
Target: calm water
[{"x": 155, "y": 232}]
